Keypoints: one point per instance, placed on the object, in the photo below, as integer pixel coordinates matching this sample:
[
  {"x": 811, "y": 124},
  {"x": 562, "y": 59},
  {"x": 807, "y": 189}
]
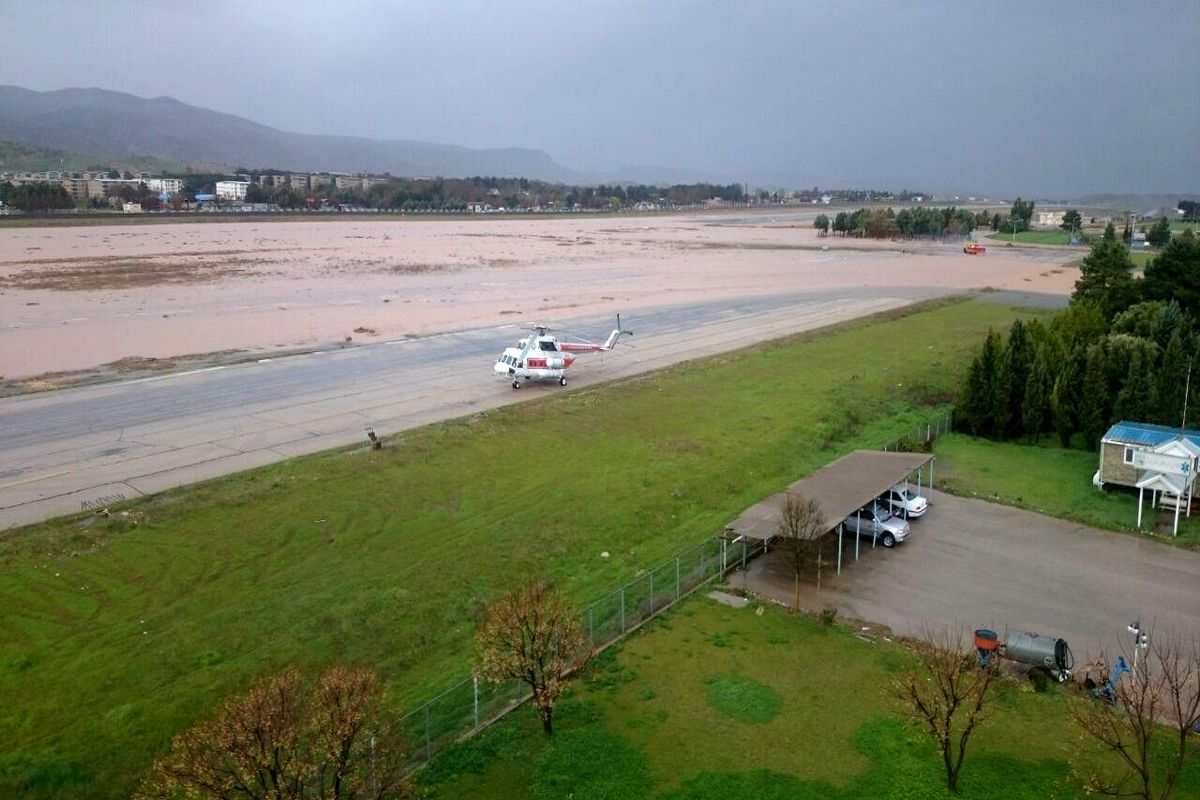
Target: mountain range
[{"x": 121, "y": 126}]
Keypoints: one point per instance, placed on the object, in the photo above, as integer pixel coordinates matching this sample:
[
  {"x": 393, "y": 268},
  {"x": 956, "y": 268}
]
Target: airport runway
[{"x": 88, "y": 447}]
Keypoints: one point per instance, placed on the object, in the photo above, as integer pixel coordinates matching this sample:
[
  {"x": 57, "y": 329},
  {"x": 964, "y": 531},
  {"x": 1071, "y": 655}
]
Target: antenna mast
[{"x": 1186, "y": 387}]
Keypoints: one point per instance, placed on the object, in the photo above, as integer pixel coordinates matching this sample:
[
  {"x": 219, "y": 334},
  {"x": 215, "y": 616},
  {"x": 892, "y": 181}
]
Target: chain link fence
[
  {"x": 924, "y": 434},
  {"x": 472, "y": 704}
]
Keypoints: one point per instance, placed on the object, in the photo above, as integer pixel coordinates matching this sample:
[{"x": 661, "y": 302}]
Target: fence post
[
  {"x": 428, "y": 735},
  {"x": 622, "y": 609},
  {"x": 743, "y": 553},
  {"x": 676, "y": 577},
  {"x": 592, "y": 622},
  {"x": 475, "y": 689},
  {"x": 652, "y": 593}
]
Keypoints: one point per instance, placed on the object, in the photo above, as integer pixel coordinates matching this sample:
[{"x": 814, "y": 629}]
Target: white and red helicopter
[{"x": 543, "y": 357}]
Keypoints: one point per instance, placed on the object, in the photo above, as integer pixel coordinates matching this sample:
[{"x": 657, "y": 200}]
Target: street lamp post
[{"x": 1141, "y": 641}]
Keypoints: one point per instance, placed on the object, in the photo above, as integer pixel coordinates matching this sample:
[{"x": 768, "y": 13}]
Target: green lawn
[
  {"x": 806, "y": 717},
  {"x": 116, "y": 636},
  {"x": 1056, "y": 237},
  {"x": 1141, "y": 258},
  {"x": 1043, "y": 478}
]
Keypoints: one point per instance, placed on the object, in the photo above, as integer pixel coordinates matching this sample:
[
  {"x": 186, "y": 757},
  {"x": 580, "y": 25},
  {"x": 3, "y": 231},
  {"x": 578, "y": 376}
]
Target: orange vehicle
[{"x": 973, "y": 248}]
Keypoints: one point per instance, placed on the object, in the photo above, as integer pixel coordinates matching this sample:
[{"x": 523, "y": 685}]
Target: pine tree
[
  {"x": 1110, "y": 233},
  {"x": 1035, "y": 408},
  {"x": 975, "y": 404},
  {"x": 1019, "y": 357},
  {"x": 1133, "y": 401},
  {"x": 1064, "y": 400},
  {"x": 1002, "y": 399},
  {"x": 1093, "y": 398},
  {"x": 1106, "y": 279},
  {"x": 1167, "y": 407}
]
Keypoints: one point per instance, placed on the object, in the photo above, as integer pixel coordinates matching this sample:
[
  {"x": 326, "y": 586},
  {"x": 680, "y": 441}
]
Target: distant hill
[
  {"x": 120, "y": 126},
  {"x": 19, "y": 156}
]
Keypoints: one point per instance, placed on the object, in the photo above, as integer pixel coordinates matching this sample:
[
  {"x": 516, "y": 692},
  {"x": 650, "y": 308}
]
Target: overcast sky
[{"x": 1049, "y": 99}]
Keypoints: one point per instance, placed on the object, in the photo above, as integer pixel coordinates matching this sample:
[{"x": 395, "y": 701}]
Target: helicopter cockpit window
[{"x": 544, "y": 345}]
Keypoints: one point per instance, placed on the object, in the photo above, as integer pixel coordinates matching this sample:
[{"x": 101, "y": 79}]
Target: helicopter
[{"x": 542, "y": 357}]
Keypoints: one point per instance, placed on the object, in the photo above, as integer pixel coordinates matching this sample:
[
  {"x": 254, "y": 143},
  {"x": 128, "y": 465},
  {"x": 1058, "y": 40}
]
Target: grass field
[
  {"x": 117, "y": 635},
  {"x": 807, "y": 717},
  {"x": 1055, "y": 237},
  {"x": 1043, "y": 478}
]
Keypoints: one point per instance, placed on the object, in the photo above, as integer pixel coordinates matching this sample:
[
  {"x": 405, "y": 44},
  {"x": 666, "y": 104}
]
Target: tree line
[
  {"x": 909, "y": 223},
  {"x": 1123, "y": 349},
  {"x": 35, "y": 198}
]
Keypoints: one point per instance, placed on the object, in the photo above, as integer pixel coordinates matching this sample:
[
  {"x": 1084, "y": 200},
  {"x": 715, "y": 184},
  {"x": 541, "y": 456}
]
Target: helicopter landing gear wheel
[
  {"x": 562, "y": 381},
  {"x": 516, "y": 384}
]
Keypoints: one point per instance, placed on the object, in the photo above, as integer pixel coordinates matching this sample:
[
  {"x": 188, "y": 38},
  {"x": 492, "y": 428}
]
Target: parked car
[
  {"x": 877, "y": 522},
  {"x": 900, "y": 499}
]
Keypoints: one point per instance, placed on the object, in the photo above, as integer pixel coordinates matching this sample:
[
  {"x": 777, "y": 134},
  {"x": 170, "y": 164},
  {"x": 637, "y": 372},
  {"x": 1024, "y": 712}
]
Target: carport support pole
[
  {"x": 1141, "y": 492},
  {"x": 856, "y": 540},
  {"x": 839, "y": 567},
  {"x": 1178, "y": 502}
]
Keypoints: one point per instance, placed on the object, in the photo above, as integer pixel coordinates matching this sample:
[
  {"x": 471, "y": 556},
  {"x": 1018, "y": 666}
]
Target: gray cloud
[{"x": 1049, "y": 99}]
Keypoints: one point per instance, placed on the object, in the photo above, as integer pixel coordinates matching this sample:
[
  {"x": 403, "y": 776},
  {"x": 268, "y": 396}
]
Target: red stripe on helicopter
[{"x": 567, "y": 347}]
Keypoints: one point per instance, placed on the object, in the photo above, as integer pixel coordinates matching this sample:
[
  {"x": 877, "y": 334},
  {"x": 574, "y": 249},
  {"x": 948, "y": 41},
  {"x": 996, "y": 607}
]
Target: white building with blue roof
[{"x": 1151, "y": 458}]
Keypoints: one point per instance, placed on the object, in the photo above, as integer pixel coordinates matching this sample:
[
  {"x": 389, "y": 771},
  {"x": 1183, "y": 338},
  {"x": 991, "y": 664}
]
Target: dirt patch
[
  {"x": 127, "y": 272},
  {"x": 122, "y": 368}
]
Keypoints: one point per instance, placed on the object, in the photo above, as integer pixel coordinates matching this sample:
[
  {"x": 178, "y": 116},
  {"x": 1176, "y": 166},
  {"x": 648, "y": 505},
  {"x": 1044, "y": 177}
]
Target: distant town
[{"x": 110, "y": 190}]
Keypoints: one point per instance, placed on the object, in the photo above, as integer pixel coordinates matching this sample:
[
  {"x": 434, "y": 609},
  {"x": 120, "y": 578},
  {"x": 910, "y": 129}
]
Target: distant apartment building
[
  {"x": 165, "y": 185},
  {"x": 347, "y": 182},
  {"x": 232, "y": 190},
  {"x": 299, "y": 182}
]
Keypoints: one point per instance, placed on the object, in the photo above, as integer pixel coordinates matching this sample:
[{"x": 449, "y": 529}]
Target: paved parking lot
[{"x": 978, "y": 565}]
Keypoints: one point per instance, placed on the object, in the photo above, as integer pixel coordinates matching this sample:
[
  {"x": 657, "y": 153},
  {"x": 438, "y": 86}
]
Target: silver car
[{"x": 877, "y": 523}]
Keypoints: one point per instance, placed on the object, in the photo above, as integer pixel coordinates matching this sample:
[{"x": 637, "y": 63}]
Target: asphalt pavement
[
  {"x": 86, "y": 447},
  {"x": 972, "y": 564}
]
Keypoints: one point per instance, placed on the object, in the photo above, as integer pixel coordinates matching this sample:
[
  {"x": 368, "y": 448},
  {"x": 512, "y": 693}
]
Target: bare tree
[
  {"x": 533, "y": 635},
  {"x": 288, "y": 740},
  {"x": 946, "y": 692},
  {"x": 800, "y": 533},
  {"x": 1151, "y": 726}
]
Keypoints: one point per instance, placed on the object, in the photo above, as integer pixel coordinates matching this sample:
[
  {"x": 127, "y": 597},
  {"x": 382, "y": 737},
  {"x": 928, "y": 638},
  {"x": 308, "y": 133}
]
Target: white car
[{"x": 903, "y": 499}]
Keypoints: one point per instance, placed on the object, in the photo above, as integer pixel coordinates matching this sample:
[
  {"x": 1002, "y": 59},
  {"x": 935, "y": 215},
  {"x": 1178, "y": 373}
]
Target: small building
[
  {"x": 1048, "y": 219},
  {"x": 1124, "y": 450}
]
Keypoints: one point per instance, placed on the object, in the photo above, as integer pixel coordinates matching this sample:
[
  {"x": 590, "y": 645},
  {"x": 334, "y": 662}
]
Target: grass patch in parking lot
[
  {"x": 1044, "y": 478},
  {"x": 116, "y": 636}
]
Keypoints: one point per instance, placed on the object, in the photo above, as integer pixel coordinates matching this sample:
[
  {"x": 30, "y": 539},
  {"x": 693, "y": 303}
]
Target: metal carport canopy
[{"x": 840, "y": 488}]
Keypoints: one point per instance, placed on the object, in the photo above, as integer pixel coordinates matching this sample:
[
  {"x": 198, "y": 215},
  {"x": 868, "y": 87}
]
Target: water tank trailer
[{"x": 1053, "y": 655}]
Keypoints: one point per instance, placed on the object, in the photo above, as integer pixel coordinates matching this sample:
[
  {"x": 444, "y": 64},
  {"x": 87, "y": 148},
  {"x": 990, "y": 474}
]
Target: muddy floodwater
[{"x": 128, "y": 295}]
